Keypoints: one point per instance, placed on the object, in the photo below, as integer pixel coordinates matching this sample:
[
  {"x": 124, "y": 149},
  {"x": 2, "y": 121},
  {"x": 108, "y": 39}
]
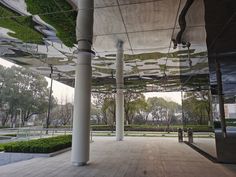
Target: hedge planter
[{"x": 46, "y": 145}]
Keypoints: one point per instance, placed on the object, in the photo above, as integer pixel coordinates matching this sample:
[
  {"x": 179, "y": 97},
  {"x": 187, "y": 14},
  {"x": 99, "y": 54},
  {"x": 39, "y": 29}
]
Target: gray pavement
[{"x": 133, "y": 157}]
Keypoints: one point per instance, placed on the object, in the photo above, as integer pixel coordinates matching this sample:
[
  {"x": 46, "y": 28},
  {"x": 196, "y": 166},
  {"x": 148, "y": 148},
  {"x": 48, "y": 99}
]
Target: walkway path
[{"x": 134, "y": 157}]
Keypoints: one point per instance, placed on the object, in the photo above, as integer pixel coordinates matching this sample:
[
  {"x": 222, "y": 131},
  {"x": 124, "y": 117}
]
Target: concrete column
[
  {"x": 82, "y": 96},
  {"x": 119, "y": 92}
]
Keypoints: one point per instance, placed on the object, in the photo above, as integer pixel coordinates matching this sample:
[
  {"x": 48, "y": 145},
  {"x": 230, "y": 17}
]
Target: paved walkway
[
  {"x": 8, "y": 158},
  {"x": 134, "y": 157},
  {"x": 208, "y": 145}
]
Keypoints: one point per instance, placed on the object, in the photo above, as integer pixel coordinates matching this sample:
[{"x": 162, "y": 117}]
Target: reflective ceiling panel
[
  {"x": 150, "y": 41},
  {"x": 149, "y": 16},
  {"x": 107, "y": 43},
  {"x": 105, "y": 3},
  {"x": 36, "y": 34},
  {"x": 108, "y": 21}
]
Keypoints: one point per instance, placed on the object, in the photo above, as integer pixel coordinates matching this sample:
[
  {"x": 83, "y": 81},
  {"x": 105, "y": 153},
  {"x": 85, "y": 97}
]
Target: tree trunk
[
  {"x": 146, "y": 118},
  {"x": 5, "y": 119}
]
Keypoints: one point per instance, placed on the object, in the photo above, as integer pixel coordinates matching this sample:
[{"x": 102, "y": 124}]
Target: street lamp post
[
  {"x": 20, "y": 124},
  {"x": 50, "y": 100}
]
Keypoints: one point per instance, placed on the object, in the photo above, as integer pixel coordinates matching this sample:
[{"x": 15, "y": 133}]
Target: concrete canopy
[{"x": 43, "y": 37}]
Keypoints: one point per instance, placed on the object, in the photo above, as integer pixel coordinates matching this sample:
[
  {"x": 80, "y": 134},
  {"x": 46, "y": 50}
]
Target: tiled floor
[{"x": 134, "y": 157}]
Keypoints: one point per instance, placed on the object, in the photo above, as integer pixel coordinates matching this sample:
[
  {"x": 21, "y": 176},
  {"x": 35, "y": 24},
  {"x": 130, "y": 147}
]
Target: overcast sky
[{"x": 61, "y": 91}]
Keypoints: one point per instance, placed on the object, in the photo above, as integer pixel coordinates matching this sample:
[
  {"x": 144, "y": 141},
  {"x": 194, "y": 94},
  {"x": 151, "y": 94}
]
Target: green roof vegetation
[
  {"x": 60, "y": 15},
  {"x": 22, "y": 27},
  {"x": 103, "y": 70},
  {"x": 100, "y": 64},
  {"x": 162, "y": 67},
  {"x": 146, "y": 56},
  {"x": 199, "y": 66},
  {"x": 151, "y": 63}
]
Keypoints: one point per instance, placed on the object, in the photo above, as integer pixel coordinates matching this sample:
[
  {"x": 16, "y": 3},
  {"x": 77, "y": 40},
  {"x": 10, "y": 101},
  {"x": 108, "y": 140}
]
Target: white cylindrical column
[
  {"x": 119, "y": 92},
  {"x": 82, "y": 96}
]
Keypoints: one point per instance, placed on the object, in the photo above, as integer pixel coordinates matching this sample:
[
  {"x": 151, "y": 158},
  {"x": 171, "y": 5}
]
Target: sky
[
  {"x": 60, "y": 91},
  {"x": 169, "y": 96},
  {"x": 63, "y": 92}
]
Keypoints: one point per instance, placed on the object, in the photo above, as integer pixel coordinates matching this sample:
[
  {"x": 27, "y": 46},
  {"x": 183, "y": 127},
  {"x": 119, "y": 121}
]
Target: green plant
[
  {"x": 147, "y": 127},
  {"x": 12, "y": 134},
  {"x": 22, "y": 27},
  {"x": 231, "y": 122},
  {"x": 59, "y": 14},
  {"x": 4, "y": 127},
  {"x": 45, "y": 145},
  {"x": 1, "y": 147}
]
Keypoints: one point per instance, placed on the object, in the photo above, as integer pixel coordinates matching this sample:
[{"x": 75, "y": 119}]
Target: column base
[
  {"x": 119, "y": 139},
  {"x": 79, "y": 164}
]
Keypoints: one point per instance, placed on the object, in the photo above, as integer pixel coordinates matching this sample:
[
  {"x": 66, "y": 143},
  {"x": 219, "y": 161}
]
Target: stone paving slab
[
  {"x": 7, "y": 158},
  {"x": 133, "y": 157}
]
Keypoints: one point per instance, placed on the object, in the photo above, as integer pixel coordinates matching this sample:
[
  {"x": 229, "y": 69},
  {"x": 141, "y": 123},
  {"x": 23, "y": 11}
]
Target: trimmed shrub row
[
  {"x": 1, "y": 148},
  {"x": 196, "y": 128},
  {"x": 46, "y": 145},
  {"x": 12, "y": 135},
  {"x": 4, "y": 127},
  {"x": 147, "y": 127}
]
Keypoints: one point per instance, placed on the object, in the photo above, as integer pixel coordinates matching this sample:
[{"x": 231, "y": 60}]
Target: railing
[{"x": 29, "y": 132}]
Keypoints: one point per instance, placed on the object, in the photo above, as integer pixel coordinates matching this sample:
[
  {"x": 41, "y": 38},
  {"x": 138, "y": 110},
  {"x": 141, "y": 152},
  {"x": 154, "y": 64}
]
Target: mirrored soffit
[{"x": 37, "y": 34}]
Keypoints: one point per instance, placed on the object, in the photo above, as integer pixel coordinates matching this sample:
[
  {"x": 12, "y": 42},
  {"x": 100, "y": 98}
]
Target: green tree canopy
[
  {"x": 22, "y": 90},
  {"x": 197, "y": 107}
]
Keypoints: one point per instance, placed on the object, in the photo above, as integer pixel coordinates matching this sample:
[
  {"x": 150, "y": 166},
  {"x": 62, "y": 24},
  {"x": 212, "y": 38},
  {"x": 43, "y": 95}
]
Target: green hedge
[
  {"x": 196, "y": 128},
  {"x": 1, "y": 147},
  {"x": 101, "y": 127},
  {"x": 12, "y": 135},
  {"x": 199, "y": 128},
  {"x": 4, "y": 127},
  {"x": 46, "y": 145},
  {"x": 231, "y": 122}
]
